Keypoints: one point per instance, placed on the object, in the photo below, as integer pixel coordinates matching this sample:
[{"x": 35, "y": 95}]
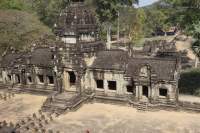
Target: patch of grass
[{"x": 189, "y": 82}]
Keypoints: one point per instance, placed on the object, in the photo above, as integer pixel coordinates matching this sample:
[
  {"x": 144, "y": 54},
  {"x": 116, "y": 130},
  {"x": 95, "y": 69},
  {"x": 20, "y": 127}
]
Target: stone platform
[{"x": 60, "y": 103}]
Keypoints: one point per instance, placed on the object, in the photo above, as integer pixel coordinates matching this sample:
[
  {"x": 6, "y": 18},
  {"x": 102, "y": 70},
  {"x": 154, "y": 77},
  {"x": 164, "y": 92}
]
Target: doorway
[
  {"x": 17, "y": 79},
  {"x": 72, "y": 78},
  {"x": 145, "y": 91}
]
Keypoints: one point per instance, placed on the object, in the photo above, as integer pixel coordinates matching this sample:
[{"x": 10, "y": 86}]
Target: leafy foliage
[
  {"x": 187, "y": 14},
  {"x": 12, "y": 4},
  {"x": 48, "y": 10},
  {"x": 20, "y": 29},
  {"x": 196, "y": 34},
  {"x": 135, "y": 25},
  {"x": 189, "y": 82},
  {"x": 108, "y": 10}
]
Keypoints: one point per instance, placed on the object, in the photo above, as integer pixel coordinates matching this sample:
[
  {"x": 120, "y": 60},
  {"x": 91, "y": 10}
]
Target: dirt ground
[
  {"x": 105, "y": 118},
  {"x": 20, "y": 106}
]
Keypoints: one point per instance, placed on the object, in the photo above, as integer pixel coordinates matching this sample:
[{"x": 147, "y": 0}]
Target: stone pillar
[
  {"x": 60, "y": 83},
  {"x": 105, "y": 86},
  {"x": 34, "y": 76},
  {"x": 137, "y": 90},
  {"x": 45, "y": 78},
  {"x": 66, "y": 80},
  {"x": 4, "y": 76},
  {"x": 13, "y": 78}
]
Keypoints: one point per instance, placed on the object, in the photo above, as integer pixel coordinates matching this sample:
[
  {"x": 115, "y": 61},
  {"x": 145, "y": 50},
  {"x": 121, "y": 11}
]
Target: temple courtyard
[
  {"x": 19, "y": 106},
  {"x": 102, "y": 118},
  {"x": 105, "y": 118}
]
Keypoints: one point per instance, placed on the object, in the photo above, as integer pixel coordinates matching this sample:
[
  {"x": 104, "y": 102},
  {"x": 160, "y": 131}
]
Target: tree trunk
[
  {"x": 118, "y": 33},
  {"x": 109, "y": 37}
]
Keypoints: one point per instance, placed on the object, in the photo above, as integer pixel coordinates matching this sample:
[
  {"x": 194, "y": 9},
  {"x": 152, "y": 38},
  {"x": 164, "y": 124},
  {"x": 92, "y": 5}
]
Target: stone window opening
[
  {"x": 129, "y": 88},
  {"x": 145, "y": 91},
  {"x": 52, "y": 56},
  {"x": 17, "y": 79},
  {"x": 9, "y": 77},
  {"x": 30, "y": 79},
  {"x": 100, "y": 84},
  {"x": 72, "y": 78},
  {"x": 112, "y": 85},
  {"x": 50, "y": 79},
  {"x": 163, "y": 92},
  {"x": 41, "y": 79},
  {"x": 1, "y": 74}
]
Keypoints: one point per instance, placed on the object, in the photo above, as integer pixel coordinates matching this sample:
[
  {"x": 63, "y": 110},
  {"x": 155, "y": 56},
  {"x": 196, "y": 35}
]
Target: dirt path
[
  {"x": 20, "y": 106},
  {"x": 104, "y": 118}
]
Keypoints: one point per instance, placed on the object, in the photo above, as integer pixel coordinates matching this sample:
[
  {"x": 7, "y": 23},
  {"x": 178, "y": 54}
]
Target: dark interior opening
[
  {"x": 51, "y": 80},
  {"x": 72, "y": 78},
  {"x": 9, "y": 77},
  {"x": 112, "y": 85},
  {"x": 52, "y": 56},
  {"x": 41, "y": 78},
  {"x": 129, "y": 88},
  {"x": 145, "y": 91},
  {"x": 163, "y": 92},
  {"x": 17, "y": 79},
  {"x": 77, "y": 0},
  {"x": 30, "y": 79},
  {"x": 99, "y": 84}
]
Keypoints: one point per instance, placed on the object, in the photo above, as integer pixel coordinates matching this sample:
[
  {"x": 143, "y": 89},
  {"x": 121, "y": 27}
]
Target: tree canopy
[
  {"x": 187, "y": 13},
  {"x": 108, "y": 10},
  {"x": 46, "y": 10},
  {"x": 20, "y": 29}
]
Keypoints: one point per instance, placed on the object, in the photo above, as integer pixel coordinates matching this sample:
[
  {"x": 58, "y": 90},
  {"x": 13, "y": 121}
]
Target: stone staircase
[
  {"x": 60, "y": 103},
  {"x": 4, "y": 86},
  {"x": 142, "y": 106},
  {"x": 32, "y": 89}
]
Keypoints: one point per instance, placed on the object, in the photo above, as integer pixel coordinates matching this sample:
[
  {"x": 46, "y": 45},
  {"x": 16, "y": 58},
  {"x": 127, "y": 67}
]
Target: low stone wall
[
  {"x": 189, "y": 106},
  {"x": 180, "y": 106}
]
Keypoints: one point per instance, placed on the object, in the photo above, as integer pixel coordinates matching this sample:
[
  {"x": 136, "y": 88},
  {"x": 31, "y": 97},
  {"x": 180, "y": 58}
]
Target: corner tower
[{"x": 76, "y": 24}]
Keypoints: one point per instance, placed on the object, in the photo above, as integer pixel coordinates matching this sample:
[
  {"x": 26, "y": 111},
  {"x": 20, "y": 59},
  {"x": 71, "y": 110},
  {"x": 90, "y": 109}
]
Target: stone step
[
  {"x": 32, "y": 90},
  {"x": 60, "y": 106},
  {"x": 142, "y": 106}
]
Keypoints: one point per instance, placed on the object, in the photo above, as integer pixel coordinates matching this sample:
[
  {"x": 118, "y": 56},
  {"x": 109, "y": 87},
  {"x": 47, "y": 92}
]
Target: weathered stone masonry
[{"x": 82, "y": 64}]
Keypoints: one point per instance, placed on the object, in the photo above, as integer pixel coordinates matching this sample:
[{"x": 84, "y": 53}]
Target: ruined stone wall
[
  {"x": 90, "y": 83},
  {"x": 118, "y": 77},
  {"x": 171, "y": 91}
]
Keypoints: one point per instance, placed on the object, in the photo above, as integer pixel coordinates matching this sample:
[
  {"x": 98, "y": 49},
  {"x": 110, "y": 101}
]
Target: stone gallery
[{"x": 80, "y": 66}]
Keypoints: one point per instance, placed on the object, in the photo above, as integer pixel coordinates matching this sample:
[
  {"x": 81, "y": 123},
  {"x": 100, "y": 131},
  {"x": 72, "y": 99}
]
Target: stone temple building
[{"x": 83, "y": 65}]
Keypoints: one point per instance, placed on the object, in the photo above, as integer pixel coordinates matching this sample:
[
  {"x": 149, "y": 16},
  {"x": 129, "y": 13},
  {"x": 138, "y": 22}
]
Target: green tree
[
  {"x": 107, "y": 12},
  {"x": 48, "y": 10},
  {"x": 132, "y": 22},
  {"x": 13, "y": 4},
  {"x": 196, "y": 34},
  {"x": 20, "y": 29},
  {"x": 188, "y": 17},
  {"x": 187, "y": 13}
]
